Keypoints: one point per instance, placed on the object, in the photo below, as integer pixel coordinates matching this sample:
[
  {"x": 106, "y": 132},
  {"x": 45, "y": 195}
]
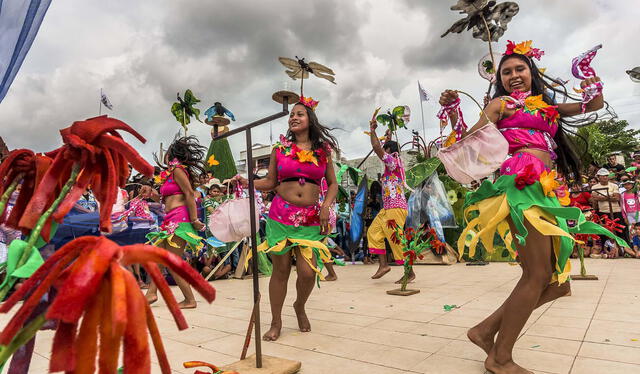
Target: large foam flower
[
  {"x": 100, "y": 307},
  {"x": 307, "y": 156},
  {"x": 549, "y": 182},
  {"x": 535, "y": 103},
  {"x": 21, "y": 166},
  {"x": 525, "y": 177},
  {"x": 103, "y": 157}
]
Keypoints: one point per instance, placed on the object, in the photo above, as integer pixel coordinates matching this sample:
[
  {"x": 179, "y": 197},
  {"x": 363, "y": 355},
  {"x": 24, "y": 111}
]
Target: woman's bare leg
[
  {"x": 536, "y": 273},
  {"x": 332, "y": 276},
  {"x": 304, "y": 286},
  {"x": 483, "y": 334},
  {"x": 277, "y": 293},
  {"x": 189, "y": 301}
]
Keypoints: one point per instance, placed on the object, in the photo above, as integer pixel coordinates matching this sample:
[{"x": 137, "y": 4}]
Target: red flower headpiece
[
  {"x": 308, "y": 102},
  {"x": 523, "y": 48}
]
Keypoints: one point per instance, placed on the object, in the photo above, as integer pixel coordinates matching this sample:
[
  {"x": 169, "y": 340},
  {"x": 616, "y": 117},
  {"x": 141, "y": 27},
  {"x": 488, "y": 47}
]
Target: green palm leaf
[{"x": 421, "y": 171}]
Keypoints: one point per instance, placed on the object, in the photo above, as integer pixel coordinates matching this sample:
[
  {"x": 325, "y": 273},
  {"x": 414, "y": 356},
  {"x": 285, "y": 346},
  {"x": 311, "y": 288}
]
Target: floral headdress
[
  {"x": 523, "y": 48},
  {"x": 308, "y": 102}
]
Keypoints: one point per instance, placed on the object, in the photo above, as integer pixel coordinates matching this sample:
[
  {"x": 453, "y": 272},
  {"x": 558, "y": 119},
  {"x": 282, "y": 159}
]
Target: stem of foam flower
[
  {"x": 7, "y": 194},
  {"x": 27, "y": 332},
  {"x": 35, "y": 233}
]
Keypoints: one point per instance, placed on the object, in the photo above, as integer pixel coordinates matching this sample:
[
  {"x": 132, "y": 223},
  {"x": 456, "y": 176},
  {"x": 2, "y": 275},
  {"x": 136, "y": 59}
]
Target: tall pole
[
  {"x": 254, "y": 249},
  {"x": 100, "y": 103},
  {"x": 252, "y": 216},
  {"x": 424, "y": 134}
]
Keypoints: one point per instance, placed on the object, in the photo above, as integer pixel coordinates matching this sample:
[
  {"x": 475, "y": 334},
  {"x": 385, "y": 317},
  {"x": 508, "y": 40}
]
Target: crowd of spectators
[{"x": 611, "y": 190}]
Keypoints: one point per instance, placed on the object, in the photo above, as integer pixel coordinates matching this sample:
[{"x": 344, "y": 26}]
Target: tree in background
[{"x": 604, "y": 137}]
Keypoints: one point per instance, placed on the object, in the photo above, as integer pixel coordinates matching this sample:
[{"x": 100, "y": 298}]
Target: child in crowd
[{"x": 635, "y": 240}]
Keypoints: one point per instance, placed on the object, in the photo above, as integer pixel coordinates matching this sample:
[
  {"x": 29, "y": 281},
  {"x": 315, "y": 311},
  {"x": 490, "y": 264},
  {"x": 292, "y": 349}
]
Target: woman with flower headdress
[
  {"x": 300, "y": 217},
  {"x": 526, "y": 202},
  {"x": 179, "y": 231}
]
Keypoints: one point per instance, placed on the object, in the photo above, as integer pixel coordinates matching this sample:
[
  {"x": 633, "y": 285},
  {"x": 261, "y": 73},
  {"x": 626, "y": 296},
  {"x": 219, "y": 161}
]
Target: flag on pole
[
  {"x": 105, "y": 100},
  {"x": 423, "y": 94},
  {"x": 19, "y": 24}
]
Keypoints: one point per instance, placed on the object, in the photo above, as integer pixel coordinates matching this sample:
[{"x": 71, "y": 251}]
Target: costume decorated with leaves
[
  {"x": 394, "y": 212},
  {"x": 176, "y": 221},
  {"x": 527, "y": 190},
  {"x": 288, "y": 225}
]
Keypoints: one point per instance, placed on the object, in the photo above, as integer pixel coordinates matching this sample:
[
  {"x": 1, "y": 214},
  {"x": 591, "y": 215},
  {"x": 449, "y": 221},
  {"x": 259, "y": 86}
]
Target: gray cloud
[{"x": 143, "y": 53}]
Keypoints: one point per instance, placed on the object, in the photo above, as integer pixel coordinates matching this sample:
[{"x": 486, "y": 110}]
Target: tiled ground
[{"x": 357, "y": 328}]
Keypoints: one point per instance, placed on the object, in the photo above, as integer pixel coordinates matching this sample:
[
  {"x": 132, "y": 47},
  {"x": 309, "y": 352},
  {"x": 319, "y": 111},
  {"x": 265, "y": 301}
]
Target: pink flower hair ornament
[
  {"x": 308, "y": 102},
  {"x": 523, "y": 48}
]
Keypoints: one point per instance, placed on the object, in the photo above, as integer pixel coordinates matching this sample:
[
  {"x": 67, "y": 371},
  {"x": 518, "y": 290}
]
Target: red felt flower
[
  {"x": 526, "y": 176},
  {"x": 30, "y": 167},
  {"x": 99, "y": 305},
  {"x": 409, "y": 233},
  {"x": 411, "y": 255},
  {"x": 437, "y": 246},
  {"x": 104, "y": 158},
  {"x": 550, "y": 113}
]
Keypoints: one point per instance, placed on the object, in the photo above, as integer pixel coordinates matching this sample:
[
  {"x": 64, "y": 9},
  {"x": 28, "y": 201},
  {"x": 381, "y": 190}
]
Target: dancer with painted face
[
  {"x": 300, "y": 217},
  {"x": 526, "y": 204}
]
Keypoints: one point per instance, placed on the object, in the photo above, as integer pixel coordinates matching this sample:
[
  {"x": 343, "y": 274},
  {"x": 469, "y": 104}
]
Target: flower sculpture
[
  {"x": 94, "y": 154},
  {"x": 415, "y": 243},
  {"x": 20, "y": 165},
  {"x": 102, "y": 158},
  {"x": 98, "y": 307}
]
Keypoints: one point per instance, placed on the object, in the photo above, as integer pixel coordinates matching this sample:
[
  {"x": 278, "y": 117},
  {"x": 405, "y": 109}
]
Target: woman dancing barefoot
[
  {"x": 523, "y": 203},
  {"x": 181, "y": 224},
  {"x": 298, "y": 219},
  {"x": 394, "y": 204}
]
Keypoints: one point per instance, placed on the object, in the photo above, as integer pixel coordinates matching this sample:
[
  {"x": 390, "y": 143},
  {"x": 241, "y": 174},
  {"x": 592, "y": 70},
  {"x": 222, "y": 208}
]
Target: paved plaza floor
[{"x": 358, "y": 328}]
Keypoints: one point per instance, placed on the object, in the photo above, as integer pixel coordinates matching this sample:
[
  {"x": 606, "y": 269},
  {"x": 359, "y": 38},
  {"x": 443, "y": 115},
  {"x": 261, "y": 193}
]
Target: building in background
[{"x": 261, "y": 155}]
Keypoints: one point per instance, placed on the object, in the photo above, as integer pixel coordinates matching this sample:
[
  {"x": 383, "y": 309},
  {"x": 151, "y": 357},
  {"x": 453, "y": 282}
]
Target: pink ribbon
[{"x": 443, "y": 114}]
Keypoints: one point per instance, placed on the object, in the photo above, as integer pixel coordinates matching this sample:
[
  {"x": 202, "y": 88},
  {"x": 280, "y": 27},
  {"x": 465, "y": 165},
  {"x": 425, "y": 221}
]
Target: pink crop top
[
  {"x": 292, "y": 162},
  {"x": 524, "y": 129},
  {"x": 169, "y": 186}
]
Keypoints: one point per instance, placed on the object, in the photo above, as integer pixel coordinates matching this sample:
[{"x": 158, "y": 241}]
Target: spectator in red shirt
[{"x": 578, "y": 196}]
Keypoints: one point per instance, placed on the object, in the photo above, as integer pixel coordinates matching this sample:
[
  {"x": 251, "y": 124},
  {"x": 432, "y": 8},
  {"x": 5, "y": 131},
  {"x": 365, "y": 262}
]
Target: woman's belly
[
  {"x": 173, "y": 201},
  {"x": 299, "y": 194}
]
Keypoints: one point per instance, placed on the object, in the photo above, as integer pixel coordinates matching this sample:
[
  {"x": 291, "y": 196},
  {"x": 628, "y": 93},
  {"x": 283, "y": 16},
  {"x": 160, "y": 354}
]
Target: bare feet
[
  {"x": 184, "y": 304},
  {"x": 412, "y": 277},
  {"x": 482, "y": 339},
  {"x": 367, "y": 261},
  {"x": 381, "y": 272},
  {"x": 303, "y": 321},
  {"x": 151, "y": 298},
  {"x": 508, "y": 367},
  {"x": 274, "y": 332},
  {"x": 331, "y": 278}
]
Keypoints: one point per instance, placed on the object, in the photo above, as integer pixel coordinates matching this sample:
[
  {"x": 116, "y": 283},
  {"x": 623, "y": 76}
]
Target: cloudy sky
[{"x": 143, "y": 53}]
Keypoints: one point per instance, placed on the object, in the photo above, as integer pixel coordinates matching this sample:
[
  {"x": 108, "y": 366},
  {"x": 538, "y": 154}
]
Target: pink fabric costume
[
  {"x": 393, "y": 180},
  {"x": 526, "y": 130},
  {"x": 290, "y": 169}
]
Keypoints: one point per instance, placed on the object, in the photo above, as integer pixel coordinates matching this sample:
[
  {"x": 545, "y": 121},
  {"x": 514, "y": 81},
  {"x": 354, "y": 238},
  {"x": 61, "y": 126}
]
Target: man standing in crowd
[
  {"x": 613, "y": 166},
  {"x": 607, "y": 197}
]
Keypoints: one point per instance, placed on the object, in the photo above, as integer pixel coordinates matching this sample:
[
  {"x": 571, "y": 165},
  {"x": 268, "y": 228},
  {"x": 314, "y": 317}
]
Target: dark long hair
[
  {"x": 568, "y": 161},
  {"x": 318, "y": 134},
  {"x": 189, "y": 153}
]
